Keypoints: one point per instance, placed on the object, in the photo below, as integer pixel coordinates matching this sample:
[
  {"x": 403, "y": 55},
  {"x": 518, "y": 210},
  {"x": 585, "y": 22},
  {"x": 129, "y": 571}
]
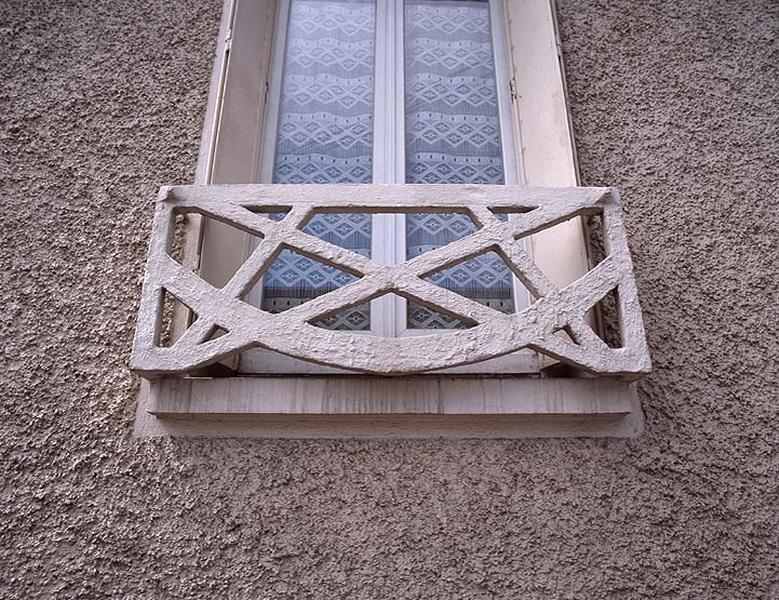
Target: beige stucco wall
[{"x": 673, "y": 102}]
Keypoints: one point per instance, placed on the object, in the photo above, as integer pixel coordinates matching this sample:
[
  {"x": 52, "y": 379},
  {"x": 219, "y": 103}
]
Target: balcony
[{"x": 555, "y": 324}]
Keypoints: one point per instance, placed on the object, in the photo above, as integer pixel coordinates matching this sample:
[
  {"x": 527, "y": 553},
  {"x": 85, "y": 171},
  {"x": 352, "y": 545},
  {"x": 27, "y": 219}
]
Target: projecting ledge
[{"x": 370, "y": 407}]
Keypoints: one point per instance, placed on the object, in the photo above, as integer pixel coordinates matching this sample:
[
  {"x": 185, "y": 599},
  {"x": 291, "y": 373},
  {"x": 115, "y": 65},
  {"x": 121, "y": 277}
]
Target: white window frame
[{"x": 437, "y": 406}]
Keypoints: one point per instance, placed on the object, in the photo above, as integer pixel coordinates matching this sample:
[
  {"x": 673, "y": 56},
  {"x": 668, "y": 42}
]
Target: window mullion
[
  {"x": 388, "y": 152},
  {"x": 398, "y": 242},
  {"x": 383, "y": 159},
  {"x": 379, "y": 226},
  {"x": 388, "y": 161}
]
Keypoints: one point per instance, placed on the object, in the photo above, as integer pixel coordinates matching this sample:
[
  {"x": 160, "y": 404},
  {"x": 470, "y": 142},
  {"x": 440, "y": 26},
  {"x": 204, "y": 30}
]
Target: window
[
  {"x": 389, "y": 236},
  {"x": 439, "y": 81},
  {"x": 394, "y": 91}
]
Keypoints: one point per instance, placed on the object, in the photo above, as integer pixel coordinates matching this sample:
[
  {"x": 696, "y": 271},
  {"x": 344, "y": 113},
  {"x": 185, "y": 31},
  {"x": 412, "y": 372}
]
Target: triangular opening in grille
[
  {"x": 230, "y": 239},
  {"x": 175, "y": 314},
  {"x": 293, "y": 279},
  {"x": 605, "y": 314},
  {"x": 485, "y": 278}
]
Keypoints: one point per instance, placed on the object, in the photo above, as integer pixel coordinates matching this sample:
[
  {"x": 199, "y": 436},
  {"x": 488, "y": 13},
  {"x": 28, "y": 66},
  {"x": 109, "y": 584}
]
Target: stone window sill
[{"x": 386, "y": 408}]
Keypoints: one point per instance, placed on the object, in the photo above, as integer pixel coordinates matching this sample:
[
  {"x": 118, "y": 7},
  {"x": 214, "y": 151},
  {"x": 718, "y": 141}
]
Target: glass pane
[
  {"x": 325, "y": 135},
  {"x": 452, "y": 133},
  {"x": 452, "y": 125}
]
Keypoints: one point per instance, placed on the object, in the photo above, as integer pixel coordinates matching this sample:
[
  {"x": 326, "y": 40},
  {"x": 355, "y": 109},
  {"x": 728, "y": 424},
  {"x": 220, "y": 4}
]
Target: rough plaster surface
[
  {"x": 291, "y": 333},
  {"x": 674, "y": 103}
]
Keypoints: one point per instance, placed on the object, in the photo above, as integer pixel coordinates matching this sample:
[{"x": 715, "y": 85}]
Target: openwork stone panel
[{"x": 494, "y": 333}]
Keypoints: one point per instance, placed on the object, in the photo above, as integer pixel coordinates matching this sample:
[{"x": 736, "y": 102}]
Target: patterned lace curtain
[
  {"x": 452, "y": 136},
  {"x": 325, "y": 135}
]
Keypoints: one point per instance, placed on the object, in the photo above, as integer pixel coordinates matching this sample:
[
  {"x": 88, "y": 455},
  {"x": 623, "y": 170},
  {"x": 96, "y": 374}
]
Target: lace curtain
[
  {"x": 325, "y": 135},
  {"x": 452, "y": 136}
]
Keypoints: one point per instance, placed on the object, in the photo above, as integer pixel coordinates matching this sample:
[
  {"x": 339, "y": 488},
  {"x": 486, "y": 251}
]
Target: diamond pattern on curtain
[
  {"x": 325, "y": 135},
  {"x": 452, "y": 136}
]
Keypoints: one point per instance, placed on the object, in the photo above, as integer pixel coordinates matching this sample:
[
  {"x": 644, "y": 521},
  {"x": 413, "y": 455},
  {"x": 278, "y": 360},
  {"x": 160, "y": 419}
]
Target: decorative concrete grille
[{"x": 554, "y": 324}]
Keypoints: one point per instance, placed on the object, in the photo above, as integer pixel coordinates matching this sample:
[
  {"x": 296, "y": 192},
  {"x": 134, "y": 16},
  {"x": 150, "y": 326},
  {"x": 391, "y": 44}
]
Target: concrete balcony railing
[{"x": 554, "y": 309}]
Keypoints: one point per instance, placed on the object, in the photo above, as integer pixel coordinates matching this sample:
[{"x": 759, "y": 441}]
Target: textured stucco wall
[{"x": 674, "y": 102}]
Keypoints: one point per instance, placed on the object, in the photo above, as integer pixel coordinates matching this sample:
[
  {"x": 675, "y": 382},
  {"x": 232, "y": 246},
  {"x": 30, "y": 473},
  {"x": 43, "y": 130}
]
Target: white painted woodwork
[
  {"x": 239, "y": 130},
  {"x": 544, "y": 130}
]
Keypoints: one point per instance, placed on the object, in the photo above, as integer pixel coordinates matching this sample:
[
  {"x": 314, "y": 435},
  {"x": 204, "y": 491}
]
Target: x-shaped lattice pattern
[{"x": 291, "y": 332}]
